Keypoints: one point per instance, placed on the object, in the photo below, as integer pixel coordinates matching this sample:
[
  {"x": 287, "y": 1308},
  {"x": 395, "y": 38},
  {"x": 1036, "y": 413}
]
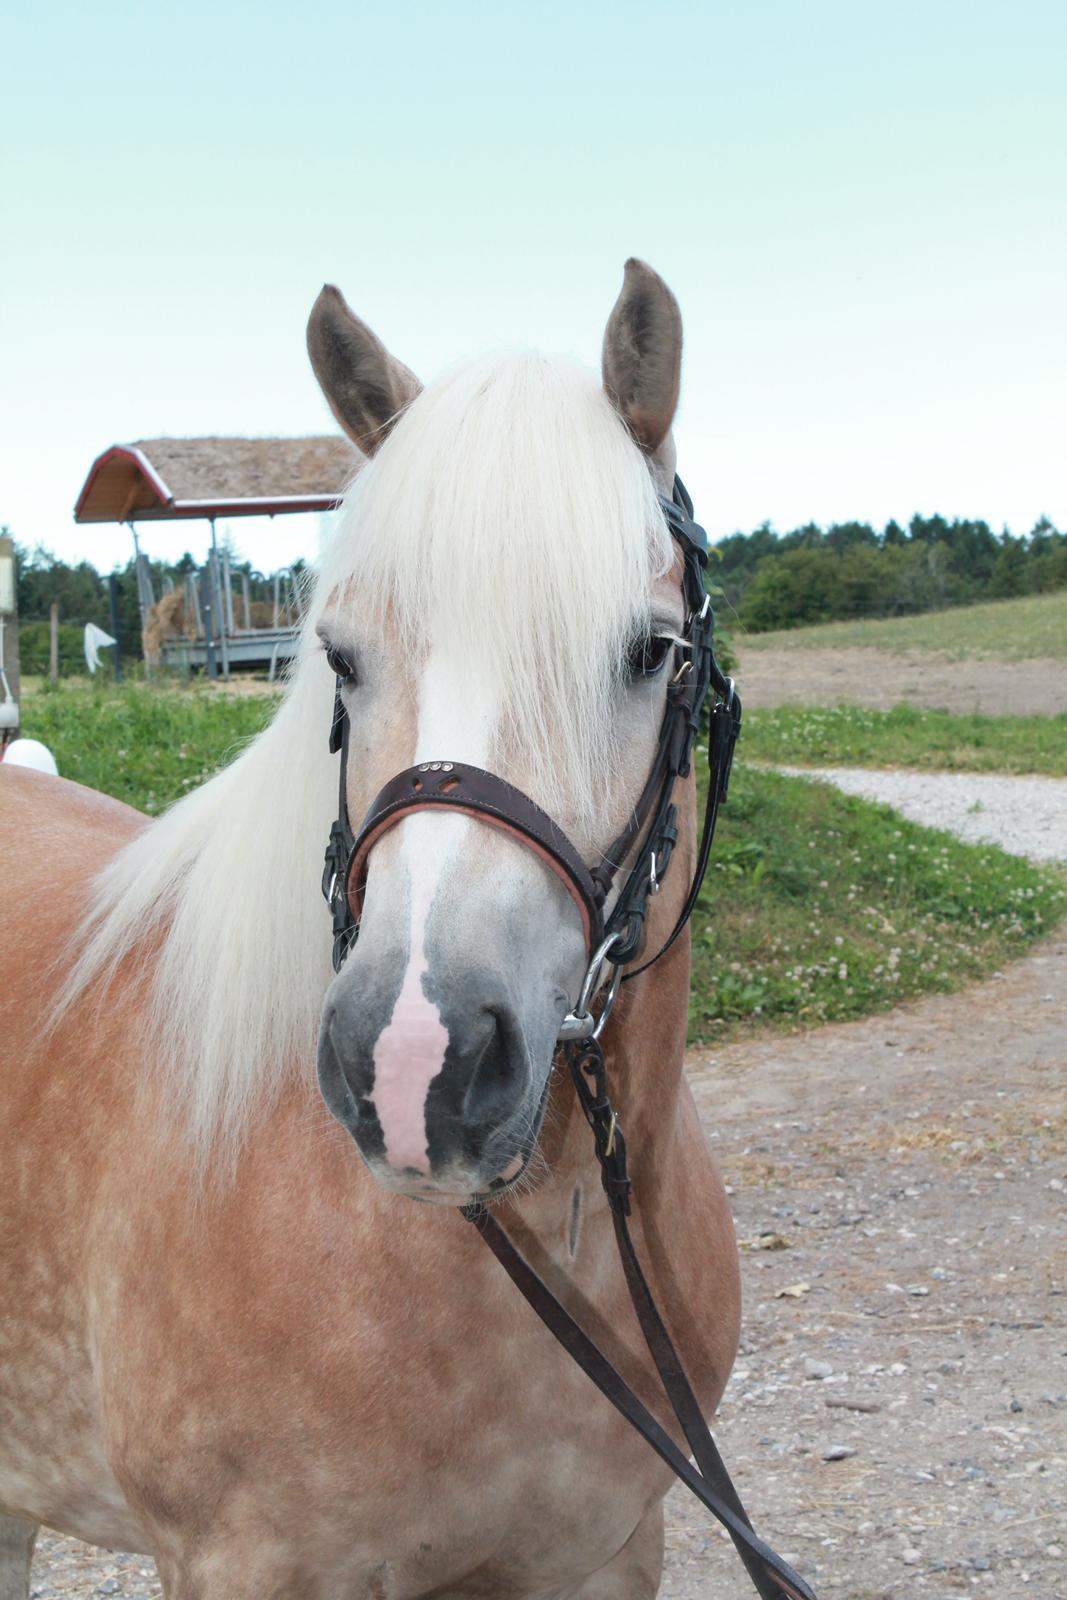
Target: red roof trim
[
  {"x": 171, "y": 509},
  {"x": 123, "y": 452}
]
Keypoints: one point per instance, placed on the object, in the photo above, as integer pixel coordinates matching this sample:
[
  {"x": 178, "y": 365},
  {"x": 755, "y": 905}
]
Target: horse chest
[{"x": 422, "y": 1422}]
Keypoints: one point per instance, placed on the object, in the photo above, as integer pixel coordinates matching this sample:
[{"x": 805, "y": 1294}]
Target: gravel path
[
  {"x": 1027, "y": 816},
  {"x": 912, "y": 1171}
]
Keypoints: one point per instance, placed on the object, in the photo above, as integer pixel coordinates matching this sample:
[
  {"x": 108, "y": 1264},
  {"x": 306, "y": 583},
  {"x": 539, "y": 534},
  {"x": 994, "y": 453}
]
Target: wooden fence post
[
  {"x": 113, "y": 605},
  {"x": 53, "y": 644}
]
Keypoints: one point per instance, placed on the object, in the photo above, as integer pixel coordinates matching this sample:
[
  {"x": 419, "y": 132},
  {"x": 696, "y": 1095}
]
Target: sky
[{"x": 861, "y": 208}]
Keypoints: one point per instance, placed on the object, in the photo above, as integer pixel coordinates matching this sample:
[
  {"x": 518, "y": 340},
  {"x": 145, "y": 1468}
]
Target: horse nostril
[{"x": 496, "y": 1066}]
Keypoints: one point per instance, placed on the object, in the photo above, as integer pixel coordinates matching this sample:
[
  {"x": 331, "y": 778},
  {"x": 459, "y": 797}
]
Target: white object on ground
[
  {"x": 31, "y": 753},
  {"x": 1025, "y": 816},
  {"x": 95, "y": 641}
]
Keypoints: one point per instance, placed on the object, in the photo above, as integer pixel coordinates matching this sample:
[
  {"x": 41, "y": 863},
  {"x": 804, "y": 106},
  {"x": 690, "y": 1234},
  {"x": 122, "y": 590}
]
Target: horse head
[{"x": 509, "y": 600}]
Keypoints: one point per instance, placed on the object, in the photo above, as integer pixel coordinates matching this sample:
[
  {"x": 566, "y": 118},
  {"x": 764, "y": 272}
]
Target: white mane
[{"x": 509, "y": 512}]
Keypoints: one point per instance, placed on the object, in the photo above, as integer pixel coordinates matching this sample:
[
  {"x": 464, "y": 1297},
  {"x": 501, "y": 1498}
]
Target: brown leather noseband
[{"x": 455, "y": 786}]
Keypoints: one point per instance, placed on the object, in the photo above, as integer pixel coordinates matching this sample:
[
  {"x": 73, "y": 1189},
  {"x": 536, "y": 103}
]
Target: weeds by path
[
  {"x": 820, "y": 907},
  {"x": 907, "y": 736}
]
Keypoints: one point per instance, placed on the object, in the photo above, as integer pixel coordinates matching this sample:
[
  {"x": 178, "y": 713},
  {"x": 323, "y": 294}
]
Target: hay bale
[{"x": 169, "y": 618}]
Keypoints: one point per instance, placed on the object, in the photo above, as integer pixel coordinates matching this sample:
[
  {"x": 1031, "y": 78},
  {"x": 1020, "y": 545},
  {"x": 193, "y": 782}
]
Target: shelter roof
[{"x": 164, "y": 478}]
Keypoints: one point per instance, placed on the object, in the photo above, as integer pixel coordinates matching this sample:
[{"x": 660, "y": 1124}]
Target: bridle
[
  {"x": 615, "y": 939},
  {"x": 618, "y": 938}
]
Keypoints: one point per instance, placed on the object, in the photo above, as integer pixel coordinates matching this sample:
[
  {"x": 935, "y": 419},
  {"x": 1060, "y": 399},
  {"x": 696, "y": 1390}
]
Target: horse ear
[
  {"x": 642, "y": 359},
  {"x": 366, "y": 387}
]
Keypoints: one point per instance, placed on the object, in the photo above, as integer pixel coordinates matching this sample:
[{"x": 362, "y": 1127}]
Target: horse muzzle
[{"x": 443, "y": 1095}]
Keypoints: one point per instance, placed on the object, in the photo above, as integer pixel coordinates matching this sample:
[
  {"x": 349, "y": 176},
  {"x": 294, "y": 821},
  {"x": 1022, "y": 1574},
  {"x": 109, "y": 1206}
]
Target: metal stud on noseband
[{"x": 614, "y": 943}]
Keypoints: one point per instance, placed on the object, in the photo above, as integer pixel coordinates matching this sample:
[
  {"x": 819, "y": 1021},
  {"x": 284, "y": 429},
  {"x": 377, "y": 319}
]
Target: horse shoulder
[{"x": 54, "y": 837}]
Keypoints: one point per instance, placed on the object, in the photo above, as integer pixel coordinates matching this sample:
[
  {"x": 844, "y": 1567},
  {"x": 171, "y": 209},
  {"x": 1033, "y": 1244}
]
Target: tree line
[
  {"x": 769, "y": 580},
  {"x": 813, "y": 574},
  {"x": 81, "y": 593}
]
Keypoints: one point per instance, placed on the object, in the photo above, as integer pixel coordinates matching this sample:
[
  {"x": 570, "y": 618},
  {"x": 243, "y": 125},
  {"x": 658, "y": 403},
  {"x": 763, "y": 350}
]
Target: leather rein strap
[
  {"x": 772, "y": 1577},
  {"x": 619, "y": 939}
]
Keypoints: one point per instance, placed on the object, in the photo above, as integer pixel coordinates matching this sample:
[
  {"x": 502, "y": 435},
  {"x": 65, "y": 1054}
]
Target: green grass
[
  {"x": 1010, "y": 630},
  {"x": 144, "y": 745},
  {"x": 820, "y": 907},
  {"x": 906, "y": 736}
]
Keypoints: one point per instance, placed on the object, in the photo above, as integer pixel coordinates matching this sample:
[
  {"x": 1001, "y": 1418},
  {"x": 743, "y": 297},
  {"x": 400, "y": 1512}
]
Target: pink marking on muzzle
[{"x": 409, "y": 1054}]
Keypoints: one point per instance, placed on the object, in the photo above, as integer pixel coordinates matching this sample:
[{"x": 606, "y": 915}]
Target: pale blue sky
[{"x": 861, "y": 207}]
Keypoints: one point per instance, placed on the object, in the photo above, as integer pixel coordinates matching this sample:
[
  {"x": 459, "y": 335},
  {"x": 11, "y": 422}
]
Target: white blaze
[{"x": 455, "y": 724}]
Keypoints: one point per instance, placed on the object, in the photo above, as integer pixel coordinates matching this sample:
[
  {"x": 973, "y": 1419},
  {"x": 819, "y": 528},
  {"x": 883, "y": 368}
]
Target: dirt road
[
  {"x": 826, "y": 677},
  {"x": 914, "y": 1167}
]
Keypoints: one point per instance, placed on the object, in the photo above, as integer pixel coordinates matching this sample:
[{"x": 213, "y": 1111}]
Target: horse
[{"x": 246, "y": 1328}]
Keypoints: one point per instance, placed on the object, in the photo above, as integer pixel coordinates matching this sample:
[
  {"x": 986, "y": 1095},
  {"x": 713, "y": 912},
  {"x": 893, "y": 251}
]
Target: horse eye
[
  {"x": 340, "y": 665},
  {"x": 647, "y": 654}
]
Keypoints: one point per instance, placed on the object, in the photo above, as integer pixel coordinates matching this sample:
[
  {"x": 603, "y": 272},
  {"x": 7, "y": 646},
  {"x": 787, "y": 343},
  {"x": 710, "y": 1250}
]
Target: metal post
[
  {"x": 298, "y": 599},
  {"x": 227, "y": 585},
  {"x": 192, "y": 592},
  {"x": 141, "y": 604},
  {"x": 211, "y": 669},
  {"x": 245, "y": 598},
  {"x": 113, "y": 606},
  {"x": 137, "y": 572},
  {"x": 219, "y": 605},
  {"x": 9, "y": 641}
]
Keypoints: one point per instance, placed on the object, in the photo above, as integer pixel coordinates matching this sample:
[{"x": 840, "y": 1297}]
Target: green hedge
[{"x": 34, "y": 648}]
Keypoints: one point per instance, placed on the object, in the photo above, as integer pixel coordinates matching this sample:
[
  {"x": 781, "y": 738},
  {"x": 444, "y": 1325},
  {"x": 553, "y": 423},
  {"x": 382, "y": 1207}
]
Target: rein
[{"x": 613, "y": 941}]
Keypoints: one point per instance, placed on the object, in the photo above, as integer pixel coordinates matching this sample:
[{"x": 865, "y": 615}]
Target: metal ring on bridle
[{"x": 580, "y": 1023}]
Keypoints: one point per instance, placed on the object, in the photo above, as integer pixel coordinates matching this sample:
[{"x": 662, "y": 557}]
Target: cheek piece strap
[{"x": 614, "y": 940}]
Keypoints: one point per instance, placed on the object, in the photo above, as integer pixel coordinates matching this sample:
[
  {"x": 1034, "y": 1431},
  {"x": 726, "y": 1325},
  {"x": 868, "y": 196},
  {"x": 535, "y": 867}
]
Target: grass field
[
  {"x": 146, "y": 746},
  {"x": 906, "y": 736},
  {"x": 1011, "y": 630},
  {"x": 818, "y": 906}
]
